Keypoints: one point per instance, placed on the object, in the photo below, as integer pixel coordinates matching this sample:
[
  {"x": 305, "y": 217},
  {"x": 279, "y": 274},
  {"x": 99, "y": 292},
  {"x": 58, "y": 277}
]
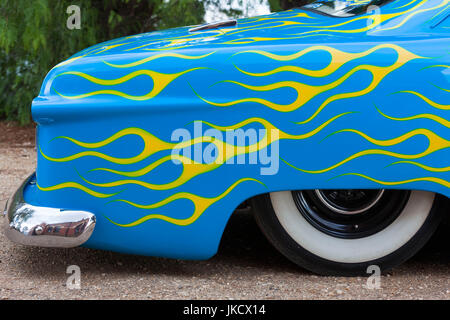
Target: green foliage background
[{"x": 34, "y": 36}]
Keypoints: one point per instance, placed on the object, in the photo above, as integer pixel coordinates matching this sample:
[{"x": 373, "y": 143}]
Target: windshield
[{"x": 343, "y": 8}]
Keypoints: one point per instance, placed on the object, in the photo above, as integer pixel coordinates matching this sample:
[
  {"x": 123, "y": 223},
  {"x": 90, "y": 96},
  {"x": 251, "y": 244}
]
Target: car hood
[
  {"x": 289, "y": 26},
  {"x": 285, "y": 31},
  {"x": 245, "y": 31}
]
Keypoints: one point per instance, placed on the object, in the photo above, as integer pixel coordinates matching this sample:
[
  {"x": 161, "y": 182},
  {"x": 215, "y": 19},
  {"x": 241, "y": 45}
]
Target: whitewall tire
[{"x": 385, "y": 228}]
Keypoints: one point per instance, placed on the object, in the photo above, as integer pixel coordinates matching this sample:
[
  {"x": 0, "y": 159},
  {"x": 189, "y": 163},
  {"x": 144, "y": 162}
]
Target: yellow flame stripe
[
  {"x": 200, "y": 204},
  {"x": 109, "y": 47},
  {"x": 436, "y": 66},
  {"x": 264, "y": 26},
  {"x": 144, "y": 170},
  {"x": 427, "y": 100},
  {"x": 190, "y": 170},
  {"x": 166, "y": 48},
  {"x": 195, "y": 168},
  {"x": 425, "y": 167},
  {"x": 151, "y": 145},
  {"x": 440, "y": 88},
  {"x": 396, "y": 183},
  {"x": 181, "y": 40},
  {"x": 376, "y": 20},
  {"x": 160, "y": 82},
  {"x": 175, "y": 42},
  {"x": 296, "y": 15},
  {"x": 249, "y": 40},
  {"x": 338, "y": 59},
  {"x": 406, "y": 5},
  {"x": 78, "y": 186},
  {"x": 145, "y": 135},
  {"x": 268, "y": 126},
  {"x": 225, "y": 152},
  {"x": 336, "y": 55},
  {"x": 436, "y": 143},
  {"x": 410, "y": 16},
  {"x": 378, "y": 74},
  {"x": 102, "y": 49},
  {"x": 429, "y": 116},
  {"x": 156, "y": 57},
  {"x": 307, "y": 92}
]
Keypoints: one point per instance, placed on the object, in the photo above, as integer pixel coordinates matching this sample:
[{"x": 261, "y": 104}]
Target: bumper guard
[{"x": 45, "y": 227}]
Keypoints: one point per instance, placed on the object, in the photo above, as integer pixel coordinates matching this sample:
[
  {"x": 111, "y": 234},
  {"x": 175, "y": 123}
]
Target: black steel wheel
[{"x": 352, "y": 213}]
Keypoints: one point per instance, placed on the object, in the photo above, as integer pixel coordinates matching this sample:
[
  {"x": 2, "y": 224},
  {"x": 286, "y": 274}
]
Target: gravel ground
[{"x": 246, "y": 267}]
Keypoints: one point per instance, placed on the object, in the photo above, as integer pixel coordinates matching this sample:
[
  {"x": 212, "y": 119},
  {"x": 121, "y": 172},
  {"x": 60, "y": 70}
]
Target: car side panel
[{"x": 345, "y": 113}]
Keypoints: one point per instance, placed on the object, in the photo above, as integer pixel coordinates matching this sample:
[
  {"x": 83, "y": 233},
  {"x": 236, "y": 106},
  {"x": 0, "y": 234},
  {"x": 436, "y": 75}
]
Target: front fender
[{"x": 135, "y": 145}]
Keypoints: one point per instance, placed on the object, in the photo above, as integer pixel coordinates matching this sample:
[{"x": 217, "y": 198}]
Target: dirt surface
[
  {"x": 12, "y": 135},
  {"x": 246, "y": 267}
]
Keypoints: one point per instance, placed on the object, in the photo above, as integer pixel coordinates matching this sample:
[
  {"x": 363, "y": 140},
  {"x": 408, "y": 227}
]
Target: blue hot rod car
[{"x": 331, "y": 119}]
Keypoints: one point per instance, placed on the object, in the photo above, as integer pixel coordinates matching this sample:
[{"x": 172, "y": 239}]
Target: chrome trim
[
  {"x": 214, "y": 25},
  {"x": 45, "y": 227}
]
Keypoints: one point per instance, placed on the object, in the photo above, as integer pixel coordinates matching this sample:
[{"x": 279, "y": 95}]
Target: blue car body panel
[{"x": 360, "y": 102}]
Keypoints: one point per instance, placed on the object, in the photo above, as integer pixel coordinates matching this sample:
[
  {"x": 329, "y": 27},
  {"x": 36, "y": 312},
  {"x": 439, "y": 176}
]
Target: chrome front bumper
[{"x": 45, "y": 227}]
